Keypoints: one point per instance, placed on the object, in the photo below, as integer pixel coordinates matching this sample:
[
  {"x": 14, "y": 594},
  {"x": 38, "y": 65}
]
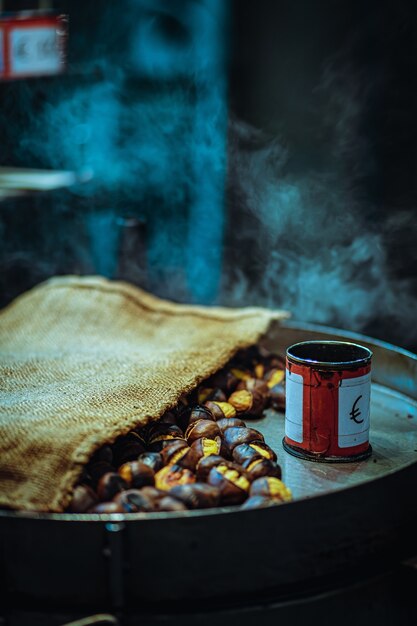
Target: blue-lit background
[{"x": 241, "y": 153}]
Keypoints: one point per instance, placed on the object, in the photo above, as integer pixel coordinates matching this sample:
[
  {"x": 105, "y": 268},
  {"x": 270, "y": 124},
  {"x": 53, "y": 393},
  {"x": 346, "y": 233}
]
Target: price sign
[{"x": 32, "y": 46}]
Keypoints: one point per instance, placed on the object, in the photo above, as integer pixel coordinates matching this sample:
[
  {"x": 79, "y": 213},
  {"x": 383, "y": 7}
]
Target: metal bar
[
  {"x": 115, "y": 563},
  {"x": 101, "y": 619},
  {"x": 19, "y": 178},
  {"x": 205, "y": 235}
]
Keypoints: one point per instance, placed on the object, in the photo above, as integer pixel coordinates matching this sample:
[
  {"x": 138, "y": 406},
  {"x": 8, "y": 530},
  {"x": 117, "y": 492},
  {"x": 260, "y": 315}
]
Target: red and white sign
[{"x": 32, "y": 45}]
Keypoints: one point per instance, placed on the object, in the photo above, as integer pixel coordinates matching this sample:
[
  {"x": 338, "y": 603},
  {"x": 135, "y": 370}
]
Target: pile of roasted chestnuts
[{"x": 200, "y": 454}]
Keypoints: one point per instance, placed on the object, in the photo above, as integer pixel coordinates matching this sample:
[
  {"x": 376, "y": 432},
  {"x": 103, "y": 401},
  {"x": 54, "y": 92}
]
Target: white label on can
[
  {"x": 34, "y": 50},
  {"x": 354, "y": 408},
  {"x": 294, "y": 406}
]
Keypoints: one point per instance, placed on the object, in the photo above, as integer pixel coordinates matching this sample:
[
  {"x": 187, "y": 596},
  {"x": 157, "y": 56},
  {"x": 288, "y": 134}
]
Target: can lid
[{"x": 329, "y": 354}]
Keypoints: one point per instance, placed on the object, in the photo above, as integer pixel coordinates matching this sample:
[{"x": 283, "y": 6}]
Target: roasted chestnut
[
  {"x": 172, "y": 475},
  {"x": 206, "y": 463},
  {"x": 197, "y": 496},
  {"x": 127, "y": 448},
  {"x": 229, "y": 422},
  {"x": 167, "y": 503},
  {"x": 168, "y": 418},
  {"x": 206, "y": 446},
  {"x": 251, "y": 402},
  {"x": 271, "y": 487},
  {"x": 259, "y": 467},
  {"x": 217, "y": 395},
  {"x": 258, "y": 502},
  {"x": 221, "y": 409},
  {"x": 253, "y": 450},
  {"x": 162, "y": 434},
  {"x": 274, "y": 377},
  {"x": 110, "y": 484},
  {"x": 97, "y": 470},
  {"x": 241, "y": 400},
  {"x": 159, "y": 429},
  {"x": 152, "y": 493},
  {"x": 137, "y": 474},
  {"x": 134, "y": 501},
  {"x": 259, "y": 370},
  {"x": 208, "y": 393},
  {"x": 179, "y": 454},
  {"x": 225, "y": 379},
  {"x": 152, "y": 459},
  {"x": 255, "y": 385},
  {"x": 84, "y": 498},
  {"x": 241, "y": 374},
  {"x": 204, "y": 393},
  {"x": 194, "y": 413},
  {"x": 202, "y": 428},
  {"x": 235, "y": 436},
  {"x": 199, "y": 412},
  {"x": 277, "y": 395},
  {"x": 231, "y": 481}
]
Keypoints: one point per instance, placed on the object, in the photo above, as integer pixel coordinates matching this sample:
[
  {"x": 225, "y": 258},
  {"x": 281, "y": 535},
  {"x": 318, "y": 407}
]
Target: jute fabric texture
[{"x": 83, "y": 360}]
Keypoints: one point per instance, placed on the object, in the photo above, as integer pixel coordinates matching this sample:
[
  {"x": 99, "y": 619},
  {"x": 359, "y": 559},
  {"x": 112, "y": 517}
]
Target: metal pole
[{"x": 206, "y": 215}]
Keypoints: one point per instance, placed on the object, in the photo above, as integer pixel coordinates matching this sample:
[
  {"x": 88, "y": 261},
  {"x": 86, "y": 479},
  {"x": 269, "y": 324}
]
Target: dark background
[
  {"x": 320, "y": 122},
  {"x": 280, "y": 53}
]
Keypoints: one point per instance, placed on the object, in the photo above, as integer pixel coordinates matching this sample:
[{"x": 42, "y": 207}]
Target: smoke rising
[
  {"x": 318, "y": 245},
  {"x": 153, "y": 139}
]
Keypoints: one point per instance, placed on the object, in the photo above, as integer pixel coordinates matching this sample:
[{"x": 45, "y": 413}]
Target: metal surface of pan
[{"x": 344, "y": 521}]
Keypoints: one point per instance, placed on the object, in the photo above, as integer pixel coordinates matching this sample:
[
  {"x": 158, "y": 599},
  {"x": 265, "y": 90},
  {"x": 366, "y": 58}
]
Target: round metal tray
[{"x": 346, "y": 520}]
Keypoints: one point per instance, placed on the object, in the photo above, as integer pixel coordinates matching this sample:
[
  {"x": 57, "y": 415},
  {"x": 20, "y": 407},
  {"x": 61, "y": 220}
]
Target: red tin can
[{"x": 328, "y": 387}]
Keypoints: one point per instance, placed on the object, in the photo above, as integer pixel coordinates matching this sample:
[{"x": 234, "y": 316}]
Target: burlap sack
[{"x": 83, "y": 360}]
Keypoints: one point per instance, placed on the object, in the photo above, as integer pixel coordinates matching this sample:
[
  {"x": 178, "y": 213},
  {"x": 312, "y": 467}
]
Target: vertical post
[
  {"x": 103, "y": 230},
  {"x": 116, "y": 563},
  {"x": 206, "y": 214}
]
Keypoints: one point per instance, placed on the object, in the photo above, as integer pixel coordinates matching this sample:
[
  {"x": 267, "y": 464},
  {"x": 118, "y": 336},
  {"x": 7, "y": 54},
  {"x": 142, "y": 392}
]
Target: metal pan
[{"x": 345, "y": 521}]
